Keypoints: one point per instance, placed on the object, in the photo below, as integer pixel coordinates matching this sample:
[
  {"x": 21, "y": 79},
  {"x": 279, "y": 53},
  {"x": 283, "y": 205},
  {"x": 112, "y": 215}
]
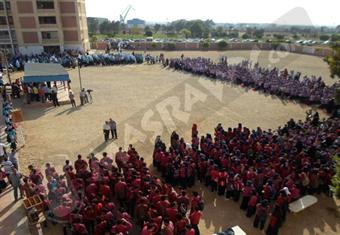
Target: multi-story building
[{"x": 34, "y": 26}]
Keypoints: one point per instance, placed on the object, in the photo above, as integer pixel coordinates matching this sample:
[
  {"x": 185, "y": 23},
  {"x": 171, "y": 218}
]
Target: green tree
[
  {"x": 324, "y": 37},
  {"x": 335, "y": 37},
  {"x": 222, "y": 45},
  {"x": 106, "y": 27},
  {"x": 245, "y": 36},
  {"x": 279, "y": 36},
  {"x": 336, "y": 179},
  {"x": 92, "y": 25},
  {"x": 197, "y": 29},
  {"x": 147, "y": 31},
  {"x": 333, "y": 62},
  {"x": 185, "y": 32},
  {"x": 258, "y": 33},
  {"x": 156, "y": 28}
]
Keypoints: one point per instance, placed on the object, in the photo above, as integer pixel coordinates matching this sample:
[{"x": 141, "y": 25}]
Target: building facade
[{"x": 35, "y": 26}]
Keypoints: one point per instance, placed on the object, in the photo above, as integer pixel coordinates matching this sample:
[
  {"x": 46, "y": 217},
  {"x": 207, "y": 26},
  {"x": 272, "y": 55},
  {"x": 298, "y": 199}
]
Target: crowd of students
[
  {"x": 11, "y": 134},
  {"x": 311, "y": 90},
  {"x": 96, "y": 197},
  {"x": 70, "y": 59},
  {"x": 265, "y": 169}
]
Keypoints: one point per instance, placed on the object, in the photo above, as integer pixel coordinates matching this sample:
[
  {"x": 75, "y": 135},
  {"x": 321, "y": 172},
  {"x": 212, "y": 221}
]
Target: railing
[{"x": 50, "y": 40}]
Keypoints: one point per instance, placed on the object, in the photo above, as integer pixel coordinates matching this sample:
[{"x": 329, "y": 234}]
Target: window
[
  {"x": 47, "y": 20},
  {"x": 3, "y": 20},
  {"x": 49, "y": 35},
  {"x": 45, "y": 4},
  {"x": 8, "y": 6}
]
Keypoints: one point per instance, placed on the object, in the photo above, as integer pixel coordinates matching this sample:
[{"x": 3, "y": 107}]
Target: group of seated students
[
  {"x": 96, "y": 197},
  {"x": 310, "y": 90},
  {"x": 266, "y": 169}
]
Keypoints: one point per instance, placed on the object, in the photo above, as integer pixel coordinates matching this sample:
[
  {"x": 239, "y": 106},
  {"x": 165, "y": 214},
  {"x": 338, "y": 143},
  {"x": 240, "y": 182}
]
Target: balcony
[{"x": 50, "y": 41}]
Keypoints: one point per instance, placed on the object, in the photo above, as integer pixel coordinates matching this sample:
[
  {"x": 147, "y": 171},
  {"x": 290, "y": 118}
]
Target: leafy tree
[
  {"x": 336, "y": 179},
  {"x": 245, "y": 36},
  {"x": 148, "y": 31},
  {"x": 106, "y": 27},
  {"x": 205, "y": 45},
  {"x": 258, "y": 33},
  {"x": 324, "y": 37},
  {"x": 279, "y": 36},
  {"x": 185, "y": 32},
  {"x": 222, "y": 45},
  {"x": 333, "y": 62},
  {"x": 296, "y": 36},
  {"x": 335, "y": 37},
  {"x": 156, "y": 28},
  {"x": 197, "y": 29},
  {"x": 92, "y": 25}
]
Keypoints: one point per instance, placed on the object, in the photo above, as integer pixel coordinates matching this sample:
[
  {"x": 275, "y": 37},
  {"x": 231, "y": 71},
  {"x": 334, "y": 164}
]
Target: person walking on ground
[
  {"x": 89, "y": 94},
  {"x": 72, "y": 100},
  {"x": 54, "y": 97},
  {"x": 15, "y": 178},
  {"x": 83, "y": 97},
  {"x": 113, "y": 128},
  {"x": 106, "y": 130}
]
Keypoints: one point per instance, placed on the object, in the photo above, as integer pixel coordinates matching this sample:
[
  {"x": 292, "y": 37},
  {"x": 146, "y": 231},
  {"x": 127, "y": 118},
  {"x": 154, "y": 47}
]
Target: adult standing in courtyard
[
  {"x": 113, "y": 128},
  {"x": 72, "y": 100},
  {"x": 83, "y": 97},
  {"x": 106, "y": 130},
  {"x": 15, "y": 178},
  {"x": 54, "y": 97}
]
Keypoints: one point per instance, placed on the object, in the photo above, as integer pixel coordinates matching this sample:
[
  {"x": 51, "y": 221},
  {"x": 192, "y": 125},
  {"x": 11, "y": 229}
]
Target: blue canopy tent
[{"x": 41, "y": 72}]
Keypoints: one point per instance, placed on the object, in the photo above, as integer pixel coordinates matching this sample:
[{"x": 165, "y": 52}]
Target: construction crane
[{"x": 125, "y": 13}]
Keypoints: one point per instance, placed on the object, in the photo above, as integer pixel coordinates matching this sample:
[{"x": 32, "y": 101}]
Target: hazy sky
[{"x": 235, "y": 11}]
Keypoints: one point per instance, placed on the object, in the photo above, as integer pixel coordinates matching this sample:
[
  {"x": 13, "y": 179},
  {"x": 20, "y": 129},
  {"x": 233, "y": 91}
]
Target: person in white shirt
[
  {"x": 13, "y": 157},
  {"x": 106, "y": 130},
  {"x": 8, "y": 167},
  {"x": 2, "y": 151}
]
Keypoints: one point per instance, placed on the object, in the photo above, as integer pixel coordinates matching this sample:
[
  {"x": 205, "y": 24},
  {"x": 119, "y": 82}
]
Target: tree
[
  {"x": 258, "y": 33},
  {"x": 324, "y": 37},
  {"x": 245, "y": 36},
  {"x": 197, "y": 29},
  {"x": 156, "y": 28},
  {"x": 222, "y": 45},
  {"x": 92, "y": 25},
  {"x": 335, "y": 37},
  {"x": 279, "y": 36},
  {"x": 336, "y": 179},
  {"x": 148, "y": 31},
  {"x": 333, "y": 62},
  {"x": 106, "y": 27},
  {"x": 185, "y": 32}
]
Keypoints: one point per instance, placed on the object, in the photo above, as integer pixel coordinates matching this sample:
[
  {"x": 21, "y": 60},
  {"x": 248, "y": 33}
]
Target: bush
[
  {"x": 154, "y": 45},
  {"x": 222, "y": 45},
  {"x": 205, "y": 45},
  {"x": 245, "y": 36},
  {"x": 170, "y": 46},
  {"x": 336, "y": 179}
]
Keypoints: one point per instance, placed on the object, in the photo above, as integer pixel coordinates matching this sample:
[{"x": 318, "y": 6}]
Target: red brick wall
[
  {"x": 25, "y": 6},
  {"x": 67, "y": 7},
  {"x": 70, "y": 35},
  {"x": 27, "y": 22},
  {"x": 69, "y": 21},
  {"x": 30, "y": 37}
]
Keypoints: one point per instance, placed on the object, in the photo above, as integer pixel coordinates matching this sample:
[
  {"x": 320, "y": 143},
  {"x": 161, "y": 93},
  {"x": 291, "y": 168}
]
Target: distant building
[
  {"x": 136, "y": 23},
  {"x": 34, "y": 26}
]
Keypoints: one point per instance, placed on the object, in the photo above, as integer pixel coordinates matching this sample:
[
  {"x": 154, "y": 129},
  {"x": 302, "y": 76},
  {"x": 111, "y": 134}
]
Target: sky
[{"x": 306, "y": 12}]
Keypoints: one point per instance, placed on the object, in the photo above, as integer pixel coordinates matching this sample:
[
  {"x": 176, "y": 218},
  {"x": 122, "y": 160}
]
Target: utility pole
[{"x": 79, "y": 75}]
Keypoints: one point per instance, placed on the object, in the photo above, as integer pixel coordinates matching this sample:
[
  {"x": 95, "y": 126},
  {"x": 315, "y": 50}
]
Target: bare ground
[{"x": 148, "y": 100}]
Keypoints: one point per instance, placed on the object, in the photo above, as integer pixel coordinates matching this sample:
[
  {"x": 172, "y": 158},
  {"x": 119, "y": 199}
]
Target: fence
[{"x": 192, "y": 46}]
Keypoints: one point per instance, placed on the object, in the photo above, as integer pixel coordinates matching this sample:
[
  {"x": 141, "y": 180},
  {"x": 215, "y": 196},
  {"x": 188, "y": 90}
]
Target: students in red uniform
[{"x": 195, "y": 217}]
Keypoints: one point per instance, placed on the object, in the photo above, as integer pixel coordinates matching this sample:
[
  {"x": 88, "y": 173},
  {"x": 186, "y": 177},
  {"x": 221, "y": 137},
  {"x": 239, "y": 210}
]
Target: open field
[{"x": 147, "y": 100}]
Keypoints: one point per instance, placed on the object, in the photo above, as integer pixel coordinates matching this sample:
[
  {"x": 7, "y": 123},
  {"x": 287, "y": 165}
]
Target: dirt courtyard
[{"x": 148, "y": 100}]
